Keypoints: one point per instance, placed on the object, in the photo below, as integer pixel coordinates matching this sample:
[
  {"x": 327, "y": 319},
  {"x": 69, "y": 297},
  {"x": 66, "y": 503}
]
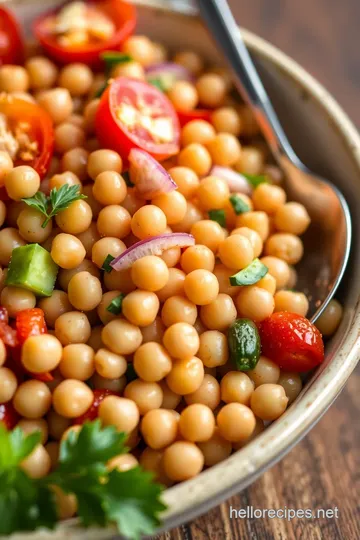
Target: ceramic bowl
[{"x": 326, "y": 140}]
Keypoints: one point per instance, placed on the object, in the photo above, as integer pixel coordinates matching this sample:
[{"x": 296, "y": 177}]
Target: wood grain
[{"x": 323, "y": 470}]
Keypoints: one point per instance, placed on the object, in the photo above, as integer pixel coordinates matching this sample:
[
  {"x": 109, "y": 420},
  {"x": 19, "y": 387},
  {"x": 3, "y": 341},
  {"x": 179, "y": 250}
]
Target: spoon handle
[{"x": 225, "y": 31}]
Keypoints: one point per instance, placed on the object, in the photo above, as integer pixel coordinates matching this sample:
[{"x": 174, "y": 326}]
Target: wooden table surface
[{"x": 323, "y": 470}]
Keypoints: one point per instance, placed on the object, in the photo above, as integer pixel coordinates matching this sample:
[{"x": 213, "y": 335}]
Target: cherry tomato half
[
  {"x": 195, "y": 114},
  {"x": 291, "y": 341},
  {"x": 123, "y": 16},
  {"x": 11, "y": 42},
  {"x": 38, "y": 126},
  {"x": 135, "y": 114}
]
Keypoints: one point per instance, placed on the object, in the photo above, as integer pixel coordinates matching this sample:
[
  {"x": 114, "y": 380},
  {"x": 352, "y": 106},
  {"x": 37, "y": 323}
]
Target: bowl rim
[{"x": 196, "y": 496}]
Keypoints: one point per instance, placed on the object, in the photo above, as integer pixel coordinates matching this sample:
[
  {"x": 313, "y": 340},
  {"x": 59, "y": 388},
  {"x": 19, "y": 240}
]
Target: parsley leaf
[
  {"x": 158, "y": 83},
  {"x": 238, "y": 204},
  {"x": 57, "y": 201},
  {"x": 101, "y": 90},
  {"x": 115, "y": 305},
  {"x": 113, "y": 58},
  {"x": 219, "y": 216},
  {"x": 106, "y": 264},
  {"x": 256, "y": 179}
]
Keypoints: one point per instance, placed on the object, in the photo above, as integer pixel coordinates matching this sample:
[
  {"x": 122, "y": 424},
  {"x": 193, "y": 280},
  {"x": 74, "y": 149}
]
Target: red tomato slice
[
  {"x": 291, "y": 341},
  {"x": 11, "y": 42},
  {"x": 122, "y": 14},
  {"x": 135, "y": 114},
  {"x": 39, "y": 128},
  {"x": 8, "y": 416},
  {"x": 195, "y": 114}
]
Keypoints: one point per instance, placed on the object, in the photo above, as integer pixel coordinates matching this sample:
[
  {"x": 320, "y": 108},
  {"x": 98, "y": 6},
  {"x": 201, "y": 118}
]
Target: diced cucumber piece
[{"x": 31, "y": 267}]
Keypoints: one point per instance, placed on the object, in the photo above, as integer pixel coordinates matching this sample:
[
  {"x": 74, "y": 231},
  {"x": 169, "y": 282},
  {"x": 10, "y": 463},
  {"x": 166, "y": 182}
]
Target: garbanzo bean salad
[{"x": 149, "y": 316}]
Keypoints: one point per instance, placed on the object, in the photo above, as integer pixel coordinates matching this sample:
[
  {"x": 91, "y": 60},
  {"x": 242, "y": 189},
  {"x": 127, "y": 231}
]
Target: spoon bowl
[{"x": 328, "y": 239}]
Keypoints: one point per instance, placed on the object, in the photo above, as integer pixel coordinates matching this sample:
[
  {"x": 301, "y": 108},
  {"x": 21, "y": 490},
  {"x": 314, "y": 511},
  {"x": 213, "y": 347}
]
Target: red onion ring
[
  {"x": 169, "y": 70},
  {"x": 237, "y": 182},
  {"x": 149, "y": 177},
  {"x": 155, "y": 245}
]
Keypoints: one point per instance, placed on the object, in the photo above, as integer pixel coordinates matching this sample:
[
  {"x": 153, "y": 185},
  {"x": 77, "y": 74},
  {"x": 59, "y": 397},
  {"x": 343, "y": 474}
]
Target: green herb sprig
[
  {"x": 115, "y": 306},
  {"x": 57, "y": 201},
  {"x": 218, "y": 216},
  {"x": 256, "y": 179},
  {"x": 238, "y": 204},
  {"x": 130, "y": 499}
]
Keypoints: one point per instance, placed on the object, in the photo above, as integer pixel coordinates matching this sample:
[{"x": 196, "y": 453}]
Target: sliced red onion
[
  {"x": 155, "y": 245},
  {"x": 149, "y": 177},
  {"x": 168, "y": 73},
  {"x": 237, "y": 182}
]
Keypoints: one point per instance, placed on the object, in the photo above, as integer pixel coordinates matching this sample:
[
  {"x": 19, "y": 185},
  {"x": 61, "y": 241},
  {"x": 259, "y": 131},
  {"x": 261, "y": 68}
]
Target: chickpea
[
  {"x": 329, "y": 320},
  {"x": 208, "y": 233},
  {"x": 75, "y": 161},
  {"x": 269, "y": 198},
  {"x": 196, "y": 157},
  {"x": 8, "y": 384},
  {"x": 219, "y": 314},
  {"x": 191, "y": 61},
  {"x": 170, "y": 400},
  {"x": 68, "y": 136},
  {"x": 30, "y": 223},
  {"x": 150, "y": 273},
  {"x": 121, "y": 337},
  {"x": 147, "y": 395},
  {"x": 269, "y": 401},
  {"x": 42, "y": 72},
  {"x": 72, "y": 327},
  {"x": 265, "y": 372},
  {"x": 197, "y": 423},
  {"x": 178, "y": 309},
  {"x": 254, "y": 303},
  {"x": 76, "y": 218},
  {"x": 148, "y": 221},
  {"x": 257, "y": 221},
  {"x": 222, "y": 274},
  {"x": 15, "y": 300},
  {"x": 110, "y": 365},
  {"x": 37, "y": 464},
  {"x": 227, "y": 120},
  {"x": 279, "y": 269},
  {"x": 90, "y": 111},
  {"x": 174, "y": 285},
  {"x": 13, "y": 79},
  {"x": 106, "y": 246},
  {"x": 292, "y": 384},
  {"x": 77, "y": 120},
  {"x": 115, "y": 385},
  {"x": 57, "y": 424},
  {"x": 32, "y": 399},
  {"x": 182, "y": 460},
  {"x": 103, "y": 160},
  {"x": 134, "y": 70},
  {"x": 104, "y": 315},
  {"x": 207, "y": 394},
  {"x": 197, "y": 257},
  {"x": 292, "y": 218},
  {"x": 140, "y": 48},
  {"x": 67, "y": 251},
  {"x": 6, "y": 165},
  {"x": 171, "y": 256},
  {"x": 295, "y": 302},
  {"x": 95, "y": 206},
  {"x": 77, "y": 78},
  {"x": 2, "y": 353},
  {"x": 58, "y": 103},
  {"x": 213, "y": 193},
  {"x": 88, "y": 238},
  {"x": 183, "y": 96},
  {"x": 259, "y": 428},
  {"x": 41, "y": 354},
  {"x": 154, "y": 331},
  {"x": 213, "y": 349},
  {"x": 236, "y": 387},
  {"x": 29, "y": 426},
  {"x": 151, "y": 460},
  {"x": 186, "y": 180},
  {"x": 236, "y": 252},
  {"x": 201, "y": 287},
  {"x": 66, "y": 504},
  {"x": 212, "y": 90},
  {"x": 285, "y": 246},
  {"x": 186, "y": 375},
  {"x": 65, "y": 276},
  {"x": 225, "y": 149},
  {"x": 119, "y": 412},
  {"x": 251, "y": 161},
  {"x": 152, "y": 362},
  {"x": 72, "y": 398},
  {"x": 140, "y": 307},
  {"x": 131, "y": 202},
  {"x": 173, "y": 205},
  {"x": 236, "y": 422},
  {"x": 22, "y": 182},
  {"x": 253, "y": 237},
  {"x": 159, "y": 428},
  {"x": 109, "y": 188},
  {"x": 84, "y": 291},
  {"x": 77, "y": 362},
  {"x": 119, "y": 280},
  {"x": 122, "y": 463},
  {"x": 181, "y": 340},
  {"x": 215, "y": 450},
  {"x": 193, "y": 215},
  {"x": 67, "y": 177},
  {"x": 197, "y": 131}
]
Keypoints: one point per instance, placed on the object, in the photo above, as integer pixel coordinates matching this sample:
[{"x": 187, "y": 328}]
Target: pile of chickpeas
[{"x": 189, "y": 408}]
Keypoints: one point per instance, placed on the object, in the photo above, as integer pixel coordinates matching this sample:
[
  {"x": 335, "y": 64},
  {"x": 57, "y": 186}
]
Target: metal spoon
[{"x": 327, "y": 241}]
